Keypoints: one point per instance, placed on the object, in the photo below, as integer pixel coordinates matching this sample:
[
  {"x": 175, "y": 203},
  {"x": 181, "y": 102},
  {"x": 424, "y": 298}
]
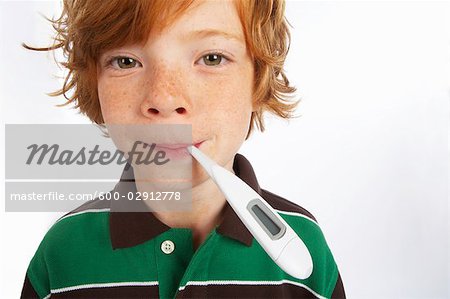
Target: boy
[{"x": 218, "y": 66}]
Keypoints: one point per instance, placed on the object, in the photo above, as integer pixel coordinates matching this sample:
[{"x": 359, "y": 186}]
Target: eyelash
[
  {"x": 219, "y": 53},
  {"x": 114, "y": 58}
]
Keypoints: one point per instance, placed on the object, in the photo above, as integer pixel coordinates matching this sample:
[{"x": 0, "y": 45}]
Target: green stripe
[
  {"x": 80, "y": 247},
  {"x": 325, "y": 271}
]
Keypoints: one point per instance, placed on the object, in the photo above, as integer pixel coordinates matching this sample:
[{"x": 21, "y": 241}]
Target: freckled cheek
[
  {"x": 118, "y": 99},
  {"x": 226, "y": 99}
]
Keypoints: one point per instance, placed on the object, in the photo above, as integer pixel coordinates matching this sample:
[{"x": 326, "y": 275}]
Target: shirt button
[{"x": 167, "y": 247}]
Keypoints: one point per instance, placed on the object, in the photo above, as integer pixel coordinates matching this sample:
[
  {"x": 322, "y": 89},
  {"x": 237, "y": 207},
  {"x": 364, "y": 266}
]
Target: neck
[{"x": 207, "y": 208}]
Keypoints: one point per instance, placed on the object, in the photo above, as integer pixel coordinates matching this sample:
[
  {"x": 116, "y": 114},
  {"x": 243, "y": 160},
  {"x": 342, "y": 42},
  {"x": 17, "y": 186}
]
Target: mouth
[{"x": 178, "y": 146}]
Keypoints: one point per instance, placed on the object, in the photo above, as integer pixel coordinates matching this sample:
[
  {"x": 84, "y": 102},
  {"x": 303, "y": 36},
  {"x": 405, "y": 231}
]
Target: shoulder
[
  {"x": 285, "y": 206},
  {"x": 88, "y": 221},
  {"x": 78, "y": 232},
  {"x": 301, "y": 220},
  {"x": 81, "y": 226}
]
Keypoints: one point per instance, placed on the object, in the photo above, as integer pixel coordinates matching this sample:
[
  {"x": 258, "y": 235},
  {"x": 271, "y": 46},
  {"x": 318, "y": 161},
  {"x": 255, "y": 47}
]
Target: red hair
[{"x": 85, "y": 29}]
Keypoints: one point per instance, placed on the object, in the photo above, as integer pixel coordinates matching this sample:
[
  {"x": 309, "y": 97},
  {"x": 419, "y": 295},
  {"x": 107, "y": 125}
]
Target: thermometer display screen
[{"x": 271, "y": 226}]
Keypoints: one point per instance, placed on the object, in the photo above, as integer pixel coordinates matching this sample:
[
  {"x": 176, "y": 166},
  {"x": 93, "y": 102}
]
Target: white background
[{"x": 368, "y": 156}]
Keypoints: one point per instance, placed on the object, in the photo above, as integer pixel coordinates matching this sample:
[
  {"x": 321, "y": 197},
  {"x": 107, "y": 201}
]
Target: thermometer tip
[{"x": 189, "y": 149}]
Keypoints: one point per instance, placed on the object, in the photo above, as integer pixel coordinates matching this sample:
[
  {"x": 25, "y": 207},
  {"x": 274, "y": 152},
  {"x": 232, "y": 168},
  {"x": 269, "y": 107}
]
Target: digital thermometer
[{"x": 271, "y": 231}]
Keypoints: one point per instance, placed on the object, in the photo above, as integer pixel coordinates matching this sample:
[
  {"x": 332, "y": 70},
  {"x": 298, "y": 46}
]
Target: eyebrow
[{"x": 204, "y": 33}]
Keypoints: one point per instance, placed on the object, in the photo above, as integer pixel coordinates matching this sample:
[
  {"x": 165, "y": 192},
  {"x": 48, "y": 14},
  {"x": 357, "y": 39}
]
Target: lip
[
  {"x": 177, "y": 146},
  {"x": 174, "y": 151}
]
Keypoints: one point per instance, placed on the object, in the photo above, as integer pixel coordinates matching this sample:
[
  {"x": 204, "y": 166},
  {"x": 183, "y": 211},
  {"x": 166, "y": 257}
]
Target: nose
[
  {"x": 166, "y": 96},
  {"x": 163, "y": 112}
]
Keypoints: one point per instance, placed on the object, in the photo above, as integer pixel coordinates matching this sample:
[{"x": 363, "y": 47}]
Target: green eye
[
  {"x": 212, "y": 59},
  {"x": 126, "y": 62}
]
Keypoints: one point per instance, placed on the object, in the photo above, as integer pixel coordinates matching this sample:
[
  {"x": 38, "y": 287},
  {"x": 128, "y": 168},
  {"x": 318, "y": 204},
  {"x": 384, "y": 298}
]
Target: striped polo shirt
[{"x": 93, "y": 252}]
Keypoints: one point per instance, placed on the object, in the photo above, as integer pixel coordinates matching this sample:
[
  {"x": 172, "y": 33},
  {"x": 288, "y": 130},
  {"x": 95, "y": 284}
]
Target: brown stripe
[
  {"x": 245, "y": 291},
  {"x": 28, "y": 291},
  {"x": 338, "y": 289},
  {"x": 112, "y": 292}
]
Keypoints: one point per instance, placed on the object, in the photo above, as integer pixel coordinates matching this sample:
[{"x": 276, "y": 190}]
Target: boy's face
[{"x": 196, "y": 71}]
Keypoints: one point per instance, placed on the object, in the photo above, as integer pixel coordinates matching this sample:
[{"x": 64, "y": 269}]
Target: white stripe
[
  {"x": 85, "y": 211},
  {"x": 105, "y": 285},
  {"x": 250, "y": 282},
  {"x": 48, "y": 296},
  {"x": 296, "y": 214}
]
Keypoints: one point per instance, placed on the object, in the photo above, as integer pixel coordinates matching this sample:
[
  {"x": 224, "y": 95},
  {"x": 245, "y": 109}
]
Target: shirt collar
[{"x": 129, "y": 229}]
